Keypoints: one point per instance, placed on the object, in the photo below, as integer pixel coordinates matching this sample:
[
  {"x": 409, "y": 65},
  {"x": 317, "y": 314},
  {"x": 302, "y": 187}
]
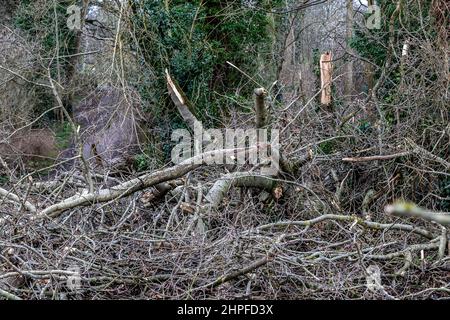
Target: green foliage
[
  {"x": 4, "y": 179},
  {"x": 141, "y": 162},
  {"x": 38, "y": 19},
  {"x": 150, "y": 158},
  {"x": 194, "y": 39},
  {"x": 368, "y": 42},
  {"x": 327, "y": 147},
  {"x": 364, "y": 126},
  {"x": 63, "y": 133}
]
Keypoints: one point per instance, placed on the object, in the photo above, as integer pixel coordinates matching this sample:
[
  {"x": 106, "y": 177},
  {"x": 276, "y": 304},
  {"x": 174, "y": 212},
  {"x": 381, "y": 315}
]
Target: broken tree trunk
[
  {"x": 181, "y": 101},
  {"x": 11, "y": 196},
  {"x": 184, "y": 106},
  {"x": 325, "y": 78},
  {"x": 260, "y": 108}
]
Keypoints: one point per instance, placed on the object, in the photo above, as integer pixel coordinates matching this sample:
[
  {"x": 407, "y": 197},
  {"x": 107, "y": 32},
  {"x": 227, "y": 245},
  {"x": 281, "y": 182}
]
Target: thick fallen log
[
  {"x": 126, "y": 188},
  {"x": 238, "y": 179},
  {"x": 159, "y": 191}
]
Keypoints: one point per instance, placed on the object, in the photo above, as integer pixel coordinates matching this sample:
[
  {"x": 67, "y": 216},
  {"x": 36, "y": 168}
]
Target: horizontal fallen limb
[
  {"x": 415, "y": 247},
  {"x": 377, "y": 157},
  {"x": 405, "y": 209},
  {"x": 159, "y": 191},
  {"x": 359, "y": 221},
  {"x": 238, "y": 179},
  {"x": 253, "y": 266},
  {"x": 9, "y": 296},
  {"x": 425, "y": 153},
  {"x": 415, "y": 150},
  {"x": 11, "y": 196},
  {"x": 131, "y": 186}
]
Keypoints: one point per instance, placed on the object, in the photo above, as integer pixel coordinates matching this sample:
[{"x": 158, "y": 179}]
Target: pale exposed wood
[
  {"x": 238, "y": 179},
  {"x": 378, "y": 157},
  {"x": 411, "y": 210},
  {"x": 260, "y": 108},
  {"x": 180, "y": 100},
  {"x": 30, "y": 207},
  {"x": 326, "y": 69}
]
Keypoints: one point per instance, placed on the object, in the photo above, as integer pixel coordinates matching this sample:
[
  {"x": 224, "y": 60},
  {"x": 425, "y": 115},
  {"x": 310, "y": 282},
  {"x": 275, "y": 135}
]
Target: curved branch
[
  {"x": 238, "y": 179},
  {"x": 364, "y": 223},
  {"x": 131, "y": 186},
  {"x": 11, "y": 196}
]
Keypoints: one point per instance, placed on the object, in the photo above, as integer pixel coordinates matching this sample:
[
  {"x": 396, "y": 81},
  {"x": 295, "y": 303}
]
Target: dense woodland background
[{"x": 91, "y": 206}]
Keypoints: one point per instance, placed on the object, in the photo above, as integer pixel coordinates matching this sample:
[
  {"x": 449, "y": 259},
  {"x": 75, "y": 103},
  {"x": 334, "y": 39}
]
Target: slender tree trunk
[
  {"x": 75, "y": 57},
  {"x": 368, "y": 68},
  {"x": 349, "y": 68}
]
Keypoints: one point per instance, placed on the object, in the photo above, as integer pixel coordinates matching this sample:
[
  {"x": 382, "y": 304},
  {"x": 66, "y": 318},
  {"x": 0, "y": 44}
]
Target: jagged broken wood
[
  {"x": 326, "y": 78},
  {"x": 181, "y": 101}
]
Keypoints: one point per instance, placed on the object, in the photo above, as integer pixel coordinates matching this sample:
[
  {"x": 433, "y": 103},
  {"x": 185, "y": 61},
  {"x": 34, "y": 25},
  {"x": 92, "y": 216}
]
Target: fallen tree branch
[
  {"x": 415, "y": 247},
  {"x": 238, "y": 179},
  {"x": 405, "y": 209},
  {"x": 421, "y": 151},
  {"x": 415, "y": 150},
  {"x": 359, "y": 221},
  {"x": 131, "y": 186},
  {"x": 29, "y": 206},
  {"x": 159, "y": 191},
  {"x": 255, "y": 265},
  {"x": 443, "y": 243},
  {"x": 378, "y": 157},
  {"x": 8, "y": 295}
]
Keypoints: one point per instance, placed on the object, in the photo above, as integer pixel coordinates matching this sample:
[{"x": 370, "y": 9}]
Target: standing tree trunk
[
  {"x": 349, "y": 69},
  {"x": 73, "y": 61},
  {"x": 368, "y": 70}
]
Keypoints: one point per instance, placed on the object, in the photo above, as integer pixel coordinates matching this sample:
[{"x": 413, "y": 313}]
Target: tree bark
[{"x": 349, "y": 85}]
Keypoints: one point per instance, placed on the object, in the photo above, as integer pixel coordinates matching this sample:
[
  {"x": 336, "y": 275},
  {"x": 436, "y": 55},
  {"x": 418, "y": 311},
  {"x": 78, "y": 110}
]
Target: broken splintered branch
[
  {"x": 181, "y": 101},
  {"x": 183, "y": 105},
  {"x": 260, "y": 108}
]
